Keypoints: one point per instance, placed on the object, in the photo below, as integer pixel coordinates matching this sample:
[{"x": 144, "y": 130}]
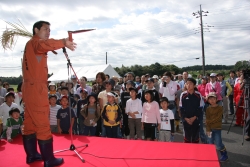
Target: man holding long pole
[{"x": 35, "y": 94}]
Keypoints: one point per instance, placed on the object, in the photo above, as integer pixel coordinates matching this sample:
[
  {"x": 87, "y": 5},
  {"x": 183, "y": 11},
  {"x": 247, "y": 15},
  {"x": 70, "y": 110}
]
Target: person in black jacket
[
  {"x": 150, "y": 86},
  {"x": 191, "y": 105},
  {"x": 80, "y": 104},
  {"x": 125, "y": 96}
]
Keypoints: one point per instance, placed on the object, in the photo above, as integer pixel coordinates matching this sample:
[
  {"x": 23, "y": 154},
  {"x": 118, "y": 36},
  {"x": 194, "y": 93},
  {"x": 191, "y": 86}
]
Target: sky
[{"x": 133, "y": 32}]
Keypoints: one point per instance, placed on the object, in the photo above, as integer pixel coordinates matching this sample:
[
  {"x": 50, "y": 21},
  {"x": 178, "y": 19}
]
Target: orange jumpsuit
[{"x": 34, "y": 88}]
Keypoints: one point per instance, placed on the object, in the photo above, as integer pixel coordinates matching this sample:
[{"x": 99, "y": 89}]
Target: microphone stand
[{"x": 72, "y": 146}]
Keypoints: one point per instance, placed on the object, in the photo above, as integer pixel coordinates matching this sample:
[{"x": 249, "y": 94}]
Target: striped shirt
[{"x": 52, "y": 116}]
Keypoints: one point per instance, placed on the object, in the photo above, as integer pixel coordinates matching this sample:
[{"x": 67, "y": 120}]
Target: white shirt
[
  {"x": 52, "y": 115},
  {"x": 103, "y": 95},
  {"x": 166, "y": 116},
  {"x": 169, "y": 91},
  {"x": 18, "y": 99},
  {"x": 133, "y": 106},
  {"x": 4, "y": 111}
]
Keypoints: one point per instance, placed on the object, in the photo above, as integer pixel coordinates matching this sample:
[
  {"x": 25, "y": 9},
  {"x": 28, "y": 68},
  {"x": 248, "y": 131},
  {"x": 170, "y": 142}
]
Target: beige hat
[
  {"x": 155, "y": 76},
  {"x": 212, "y": 94}
]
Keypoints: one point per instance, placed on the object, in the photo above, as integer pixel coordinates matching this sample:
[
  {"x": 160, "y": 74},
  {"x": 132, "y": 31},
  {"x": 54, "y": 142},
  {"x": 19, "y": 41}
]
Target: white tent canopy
[{"x": 89, "y": 72}]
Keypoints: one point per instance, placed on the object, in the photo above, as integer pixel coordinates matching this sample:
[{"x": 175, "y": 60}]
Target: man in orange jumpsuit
[{"x": 35, "y": 94}]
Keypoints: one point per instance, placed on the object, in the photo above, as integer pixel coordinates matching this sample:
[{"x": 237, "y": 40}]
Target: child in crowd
[
  {"x": 191, "y": 105},
  {"x": 134, "y": 110},
  {"x": 65, "y": 92},
  {"x": 52, "y": 88},
  {"x": 76, "y": 99},
  {"x": 150, "y": 116},
  {"x": 125, "y": 95},
  {"x": 91, "y": 114},
  {"x": 111, "y": 115},
  {"x": 167, "y": 121},
  {"x": 102, "y": 97},
  {"x": 6, "y": 107},
  {"x": 80, "y": 104},
  {"x": 14, "y": 125},
  {"x": 213, "y": 125},
  {"x": 53, "y": 112},
  {"x": 58, "y": 92},
  {"x": 64, "y": 124}
]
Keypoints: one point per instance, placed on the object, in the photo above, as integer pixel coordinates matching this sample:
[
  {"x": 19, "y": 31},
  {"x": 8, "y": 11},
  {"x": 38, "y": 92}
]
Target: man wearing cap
[
  {"x": 75, "y": 84},
  {"x": 214, "y": 86},
  {"x": 156, "y": 84},
  {"x": 6, "y": 107},
  {"x": 179, "y": 78},
  {"x": 150, "y": 86},
  {"x": 129, "y": 76},
  {"x": 231, "y": 81},
  {"x": 226, "y": 90}
]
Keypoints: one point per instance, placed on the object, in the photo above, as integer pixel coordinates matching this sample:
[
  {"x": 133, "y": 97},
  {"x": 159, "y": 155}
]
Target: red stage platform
[{"x": 106, "y": 152}]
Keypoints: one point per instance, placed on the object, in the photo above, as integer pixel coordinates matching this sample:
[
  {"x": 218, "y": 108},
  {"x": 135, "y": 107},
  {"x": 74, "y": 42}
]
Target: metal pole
[
  {"x": 202, "y": 44},
  {"x": 106, "y": 57}
]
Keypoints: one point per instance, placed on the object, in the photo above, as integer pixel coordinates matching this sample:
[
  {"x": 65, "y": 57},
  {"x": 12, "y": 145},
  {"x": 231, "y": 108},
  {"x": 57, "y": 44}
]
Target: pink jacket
[
  {"x": 151, "y": 112},
  {"x": 216, "y": 89}
]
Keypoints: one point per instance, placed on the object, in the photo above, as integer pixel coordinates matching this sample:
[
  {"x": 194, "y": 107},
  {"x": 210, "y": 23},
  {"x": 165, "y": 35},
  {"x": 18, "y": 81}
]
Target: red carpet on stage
[{"x": 106, "y": 152}]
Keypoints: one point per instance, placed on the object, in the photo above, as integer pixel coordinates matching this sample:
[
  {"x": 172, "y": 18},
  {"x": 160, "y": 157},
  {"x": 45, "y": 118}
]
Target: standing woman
[
  {"x": 150, "y": 116},
  {"x": 238, "y": 89},
  {"x": 214, "y": 86},
  {"x": 100, "y": 85},
  {"x": 19, "y": 98}
]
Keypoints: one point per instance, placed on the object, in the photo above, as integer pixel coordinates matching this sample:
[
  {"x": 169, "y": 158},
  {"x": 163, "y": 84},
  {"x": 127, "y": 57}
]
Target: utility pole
[
  {"x": 106, "y": 57},
  {"x": 199, "y": 13}
]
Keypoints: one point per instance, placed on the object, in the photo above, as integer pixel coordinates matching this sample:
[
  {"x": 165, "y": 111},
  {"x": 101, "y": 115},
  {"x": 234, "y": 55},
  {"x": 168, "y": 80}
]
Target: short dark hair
[
  {"x": 232, "y": 71},
  {"x": 12, "y": 110},
  {"x": 64, "y": 88},
  {"x": 106, "y": 75},
  {"x": 10, "y": 89},
  {"x": 164, "y": 99},
  {"x": 38, "y": 25},
  {"x": 131, "y": 74},
  {"x": 192, "y": 80},
  {"x": 52, "y": 96}
]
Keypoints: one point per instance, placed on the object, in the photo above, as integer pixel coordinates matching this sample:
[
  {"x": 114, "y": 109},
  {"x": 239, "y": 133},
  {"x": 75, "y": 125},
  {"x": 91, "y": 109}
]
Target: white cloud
[{"x": 133, "y": 32}]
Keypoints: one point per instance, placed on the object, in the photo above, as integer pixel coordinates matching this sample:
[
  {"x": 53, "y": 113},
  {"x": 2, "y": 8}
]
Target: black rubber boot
[
  {"x": 46, "y": 148},
  {"x": 30, "y": 147}
]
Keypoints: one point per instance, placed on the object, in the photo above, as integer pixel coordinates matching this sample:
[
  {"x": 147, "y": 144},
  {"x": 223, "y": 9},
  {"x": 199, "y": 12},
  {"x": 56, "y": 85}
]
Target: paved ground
[{"x": 239, "y": 156}]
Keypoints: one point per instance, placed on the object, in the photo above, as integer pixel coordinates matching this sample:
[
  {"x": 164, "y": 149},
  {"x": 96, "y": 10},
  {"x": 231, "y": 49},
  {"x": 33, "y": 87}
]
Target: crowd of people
[{"x": 135, "y": 107}]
